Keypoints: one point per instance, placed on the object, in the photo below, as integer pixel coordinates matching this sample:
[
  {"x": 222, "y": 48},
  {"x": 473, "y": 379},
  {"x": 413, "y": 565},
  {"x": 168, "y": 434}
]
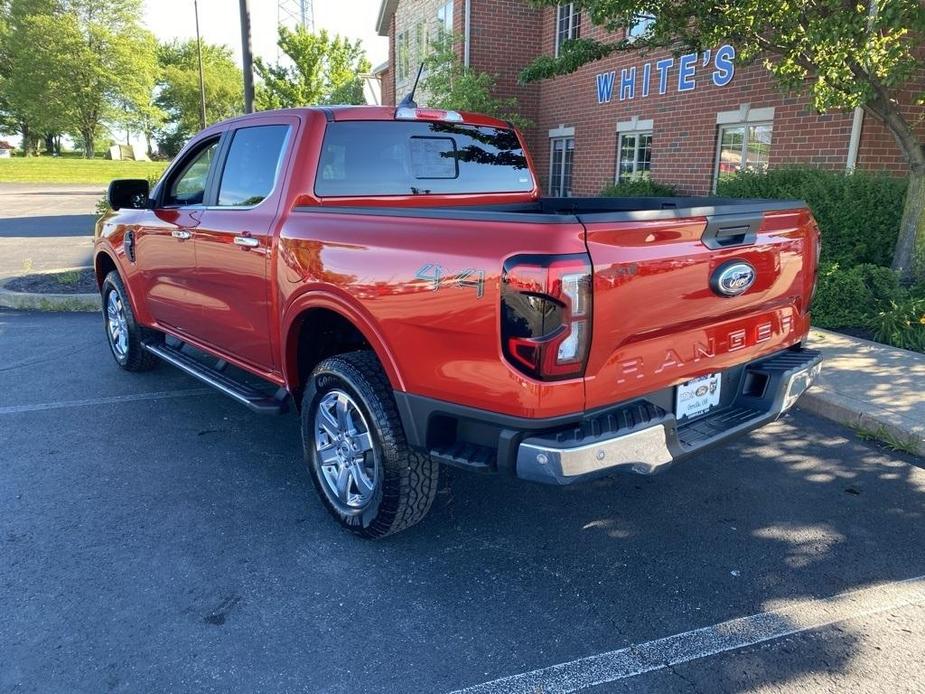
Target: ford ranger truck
[{"x": 396, "y": 276}]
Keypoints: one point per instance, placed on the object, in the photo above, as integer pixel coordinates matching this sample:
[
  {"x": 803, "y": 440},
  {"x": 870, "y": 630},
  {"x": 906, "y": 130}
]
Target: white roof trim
[
  {"x": 635, "y": 124},
  {"x": 745, "y": 114},
  {"x": 562, "y": 131},
  {"x": 384, "y": 20}
]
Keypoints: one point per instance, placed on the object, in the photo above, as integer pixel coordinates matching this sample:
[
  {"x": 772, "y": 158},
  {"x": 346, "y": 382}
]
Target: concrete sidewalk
[{"x": 875, "y": 389}]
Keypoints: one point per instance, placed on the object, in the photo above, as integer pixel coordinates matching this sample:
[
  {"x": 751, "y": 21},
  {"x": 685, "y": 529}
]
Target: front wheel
[
  {"x": 365, "y": 473},
  {"x": 123, "y": 332}
]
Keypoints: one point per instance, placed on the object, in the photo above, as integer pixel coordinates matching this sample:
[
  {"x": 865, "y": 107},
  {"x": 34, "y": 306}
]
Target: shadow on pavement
[
  {"x": 50, "y": 226},
  {"x": 179, "y": 544}
]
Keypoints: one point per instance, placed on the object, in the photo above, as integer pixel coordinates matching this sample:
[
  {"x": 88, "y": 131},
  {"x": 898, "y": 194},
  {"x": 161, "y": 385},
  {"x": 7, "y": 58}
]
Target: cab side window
[
  {"x": 252, "y": 165},
  {"x": 188, "y": 186}
]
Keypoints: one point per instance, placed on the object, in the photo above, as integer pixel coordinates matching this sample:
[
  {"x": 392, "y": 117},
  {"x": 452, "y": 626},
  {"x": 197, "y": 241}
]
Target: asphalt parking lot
[
  {"x": 46, "y": 227},
  {"x": 155, "y": 536}
]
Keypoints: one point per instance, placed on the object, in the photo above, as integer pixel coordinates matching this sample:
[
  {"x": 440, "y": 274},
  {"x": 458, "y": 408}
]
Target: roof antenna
[{"x": 408, "y": 101}]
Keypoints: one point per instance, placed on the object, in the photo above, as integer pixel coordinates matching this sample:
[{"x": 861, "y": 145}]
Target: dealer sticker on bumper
[{"x": 698, "y": 397}]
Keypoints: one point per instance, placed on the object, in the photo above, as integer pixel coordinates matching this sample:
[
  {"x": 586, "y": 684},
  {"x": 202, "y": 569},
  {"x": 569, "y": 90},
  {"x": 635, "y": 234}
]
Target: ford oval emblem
[{"x": 733, "y": 278}]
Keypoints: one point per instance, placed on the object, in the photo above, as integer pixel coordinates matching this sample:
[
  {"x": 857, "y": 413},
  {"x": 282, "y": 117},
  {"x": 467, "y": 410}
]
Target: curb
[
  {"x": 28, "y": 301},
  {"x": 851, "y": 413},
  {"x": 893, "y": 428}
]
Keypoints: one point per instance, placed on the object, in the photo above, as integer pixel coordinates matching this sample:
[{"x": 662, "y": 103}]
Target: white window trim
[
  {"x": 635, "y": 124},
  {"x": 442, "y": 30},
  {"x": 561, "y": 131},
  {"x": 745, "y": 114},
  {"x": 719, "y": 140},
  {"x": 620, "y": 135},
  {"x": 552, "y": 149},
  {"x": 571, "y": 24}
]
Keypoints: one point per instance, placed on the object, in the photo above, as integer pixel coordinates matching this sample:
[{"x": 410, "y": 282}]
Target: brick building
[{"x": 681, "y": 120}]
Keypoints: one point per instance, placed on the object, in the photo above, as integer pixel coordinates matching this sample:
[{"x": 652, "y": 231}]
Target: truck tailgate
[{"x": 659, "y": 319}]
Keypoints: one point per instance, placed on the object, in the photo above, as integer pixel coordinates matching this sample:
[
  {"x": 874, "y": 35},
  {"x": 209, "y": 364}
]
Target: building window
[
  {"x": 445, "y": 20},
  {"x": 639, "y": 26},
  {"x": 420, "y": 43},
  {"x": 634, "y": 155},
  {"x": 560, "y": 169},
  {"x": 404, "y": 57},
  {"x": 568, "y": 24},
  {"x": 743, "y": 147}
]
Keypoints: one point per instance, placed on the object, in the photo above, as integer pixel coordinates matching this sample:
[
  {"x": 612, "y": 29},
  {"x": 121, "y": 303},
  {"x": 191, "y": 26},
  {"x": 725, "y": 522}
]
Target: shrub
[
  {"x": 901, "y": 324},
  {"x": 638, "y": 187},
  {"x": 858, "y": 214},
  {"x": 850, "y": 297}
]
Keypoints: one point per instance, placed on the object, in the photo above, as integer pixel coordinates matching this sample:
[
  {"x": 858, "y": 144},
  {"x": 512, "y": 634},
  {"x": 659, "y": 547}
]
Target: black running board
[{"x": 260, "y": 403}]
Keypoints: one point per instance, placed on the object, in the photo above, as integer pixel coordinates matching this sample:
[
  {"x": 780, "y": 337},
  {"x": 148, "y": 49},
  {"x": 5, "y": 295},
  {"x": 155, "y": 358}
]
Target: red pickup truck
[{"x": 396, "y": 274}]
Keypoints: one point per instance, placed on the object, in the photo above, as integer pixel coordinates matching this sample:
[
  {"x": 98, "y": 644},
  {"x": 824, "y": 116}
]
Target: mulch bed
[{"x": 71, "y": 282}]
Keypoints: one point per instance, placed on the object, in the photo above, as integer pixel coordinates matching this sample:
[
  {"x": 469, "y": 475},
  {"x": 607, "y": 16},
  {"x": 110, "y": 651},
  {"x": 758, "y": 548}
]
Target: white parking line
[
  {"x": 709, "y": 641},
  {"x": 115, "y": 399}
]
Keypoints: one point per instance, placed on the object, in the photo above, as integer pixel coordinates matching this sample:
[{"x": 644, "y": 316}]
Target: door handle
[
  {"x": 181, "y": 234},
  {"x": 246, "y": 241}
]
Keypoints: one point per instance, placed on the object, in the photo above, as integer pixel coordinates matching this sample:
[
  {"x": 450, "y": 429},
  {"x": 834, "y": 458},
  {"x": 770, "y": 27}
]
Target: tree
[
  {"x": 324, "y": 69},
  {"x": 842, "y": 54},
  {"x": 28, "y": 106},
  {"x": 450, "y": 85},
  {"x": 73, "y": 61},
  {"x": 178, "y": 90}
]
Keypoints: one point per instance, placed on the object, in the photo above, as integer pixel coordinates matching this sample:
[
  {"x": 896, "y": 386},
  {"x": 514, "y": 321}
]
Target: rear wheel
[
  {"x": 122, "y": 331},
  {"x": 355, "y": 447}
]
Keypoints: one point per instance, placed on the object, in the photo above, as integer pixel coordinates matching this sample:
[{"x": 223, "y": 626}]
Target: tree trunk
[
  {"x": 89, "y": 145},
  {"x": 910, "y": 246},
  {"x": 26, "y": 140},
  {"x": 49, "y": 143},
  {"x": 909, "y": 259}
]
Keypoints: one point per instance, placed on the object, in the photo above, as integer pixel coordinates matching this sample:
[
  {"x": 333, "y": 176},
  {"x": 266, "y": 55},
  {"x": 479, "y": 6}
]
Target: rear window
[{"x": 365, "y": 158}]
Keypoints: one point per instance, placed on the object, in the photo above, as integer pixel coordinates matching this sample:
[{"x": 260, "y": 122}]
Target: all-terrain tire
[
  {"x": 135, "y": 358},
  {"x": 407, "y": 480}
]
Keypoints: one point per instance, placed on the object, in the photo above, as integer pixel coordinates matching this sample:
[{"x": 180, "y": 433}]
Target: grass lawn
[{"x": 68, "y": 170}]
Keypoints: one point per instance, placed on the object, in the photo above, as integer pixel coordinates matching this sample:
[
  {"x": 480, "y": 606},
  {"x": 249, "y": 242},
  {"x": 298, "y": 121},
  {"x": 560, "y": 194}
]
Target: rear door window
[
  {"x": 252, "y": 165},
  {"x": 365, "y": 158}
]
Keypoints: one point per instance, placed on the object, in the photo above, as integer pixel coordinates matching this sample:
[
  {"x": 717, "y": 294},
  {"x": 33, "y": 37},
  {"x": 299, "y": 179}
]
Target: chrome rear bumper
[{"x": 643, "y": 438}]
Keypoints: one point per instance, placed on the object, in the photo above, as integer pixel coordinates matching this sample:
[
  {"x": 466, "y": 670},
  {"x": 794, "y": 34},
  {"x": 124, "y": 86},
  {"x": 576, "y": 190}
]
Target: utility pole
[
  {"x": 202, "y": 78},
  {"x": 248, "y": 57}
]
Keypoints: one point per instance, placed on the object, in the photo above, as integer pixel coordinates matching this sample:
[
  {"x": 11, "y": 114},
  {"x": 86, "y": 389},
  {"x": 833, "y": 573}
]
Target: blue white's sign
[{"x": 672, "y": 74}]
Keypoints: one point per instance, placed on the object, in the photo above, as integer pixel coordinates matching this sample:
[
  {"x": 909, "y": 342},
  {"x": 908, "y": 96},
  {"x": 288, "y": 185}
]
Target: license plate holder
[{"x": 698, "y": 397}]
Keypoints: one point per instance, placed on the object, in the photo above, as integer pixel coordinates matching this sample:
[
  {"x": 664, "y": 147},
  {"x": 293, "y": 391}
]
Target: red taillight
[{"x": 546, "y": 315}]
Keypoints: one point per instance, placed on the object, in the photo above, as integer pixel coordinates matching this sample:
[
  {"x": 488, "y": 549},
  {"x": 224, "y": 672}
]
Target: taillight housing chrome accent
[{"x": 546, "y": 315}]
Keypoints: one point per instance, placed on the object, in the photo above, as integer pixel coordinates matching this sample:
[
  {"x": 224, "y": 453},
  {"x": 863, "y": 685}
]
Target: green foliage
[
  {"x": 73, "y": 64},
  {"x": 841, "y": 55},
  {"x": 178, "y": 90},
  {"x": 901, "y": 324},
  {"x": 450, "y": 85},
  {"x": 858, "y": 214},
  {"x": 638, "y": 187},
  {"x": 848, "y": 297},
  {"x": 839, "y": 51},
  {"x": 324, "y": 69}
]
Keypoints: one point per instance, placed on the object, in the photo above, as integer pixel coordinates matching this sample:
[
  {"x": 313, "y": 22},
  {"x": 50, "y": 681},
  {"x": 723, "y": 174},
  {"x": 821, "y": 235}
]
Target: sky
[{"x": 219, "y": 21}]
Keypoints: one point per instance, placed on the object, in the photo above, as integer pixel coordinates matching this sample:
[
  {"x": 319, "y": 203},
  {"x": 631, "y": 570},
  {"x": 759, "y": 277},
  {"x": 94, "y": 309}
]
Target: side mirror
[{"x": 128, "y": 193}]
